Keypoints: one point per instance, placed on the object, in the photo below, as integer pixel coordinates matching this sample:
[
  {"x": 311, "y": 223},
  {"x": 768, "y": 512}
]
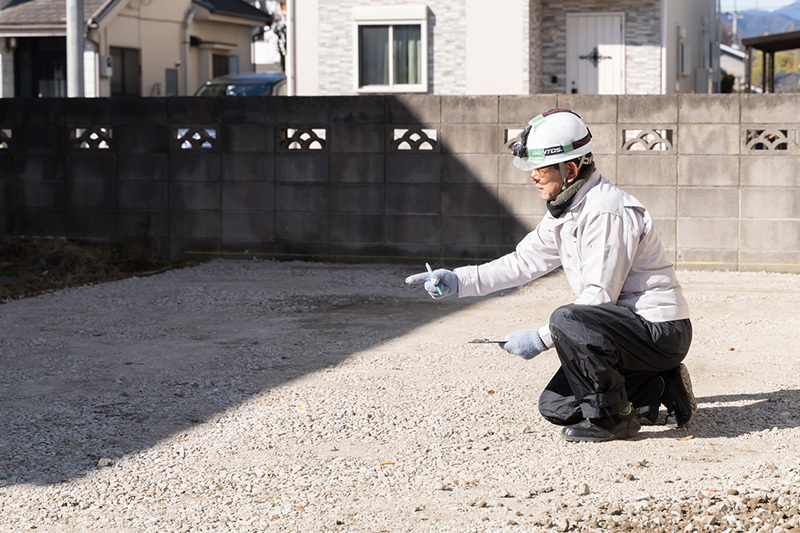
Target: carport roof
[{"x": 774, "y": 43}]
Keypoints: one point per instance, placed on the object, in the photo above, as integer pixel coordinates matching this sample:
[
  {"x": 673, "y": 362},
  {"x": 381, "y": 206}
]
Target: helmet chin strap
[{"x": 585, "y": 160}]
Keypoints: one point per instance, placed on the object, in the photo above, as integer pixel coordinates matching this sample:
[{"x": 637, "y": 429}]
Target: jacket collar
[{"x": 579, "y": 197}]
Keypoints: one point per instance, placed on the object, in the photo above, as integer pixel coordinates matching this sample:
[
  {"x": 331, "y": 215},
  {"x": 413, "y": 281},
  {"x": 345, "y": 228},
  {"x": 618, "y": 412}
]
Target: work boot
[
  {"x": 619, "y": 426},
  {"x": 678, "y": 397}
]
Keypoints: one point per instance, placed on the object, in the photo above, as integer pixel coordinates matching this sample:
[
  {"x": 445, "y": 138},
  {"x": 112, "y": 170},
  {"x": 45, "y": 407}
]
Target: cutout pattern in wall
[
  {"x": 195, "y": 138},
  {"x": 415, "y": 139},
  {"x": 649, "y": 140},
  {"x": 770, "y": 140},
  {"x": 512, "y": 136},
  {"x": 303, "y": 138},
  {"x": 91, "y": 138},
  {"x": 5, "y": 138}
]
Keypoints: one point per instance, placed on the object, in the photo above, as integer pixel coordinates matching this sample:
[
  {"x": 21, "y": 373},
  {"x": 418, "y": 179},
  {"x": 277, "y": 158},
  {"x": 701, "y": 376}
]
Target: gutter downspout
[
  {"x": 664, "y": 45},
  {"x": 187, "y": 19},
  {"x": 96, "y": 45},
  {"x": 290, "y": 49}
]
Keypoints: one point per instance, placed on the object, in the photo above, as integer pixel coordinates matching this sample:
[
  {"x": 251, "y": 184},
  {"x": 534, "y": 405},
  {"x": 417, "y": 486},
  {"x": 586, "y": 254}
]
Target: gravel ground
[{"x": 269, "y": 396}]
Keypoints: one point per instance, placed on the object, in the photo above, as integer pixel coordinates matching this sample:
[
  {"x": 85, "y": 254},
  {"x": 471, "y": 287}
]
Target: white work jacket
[{"x": 610, "y": 252}]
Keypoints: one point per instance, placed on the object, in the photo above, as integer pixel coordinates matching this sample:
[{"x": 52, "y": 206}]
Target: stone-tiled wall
[
  {"x": 446, "y": 33},
  {"x": 393, "y": 177},
  {"x": 534, "y": 16}
]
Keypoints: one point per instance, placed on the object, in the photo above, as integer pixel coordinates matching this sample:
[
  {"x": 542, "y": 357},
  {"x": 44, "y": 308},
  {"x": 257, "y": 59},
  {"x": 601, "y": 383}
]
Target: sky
[{"x": 745, "y": 5}]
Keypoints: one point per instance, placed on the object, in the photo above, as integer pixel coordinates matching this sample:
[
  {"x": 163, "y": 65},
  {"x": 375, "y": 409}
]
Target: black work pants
[{"x": 609, "y": 356}]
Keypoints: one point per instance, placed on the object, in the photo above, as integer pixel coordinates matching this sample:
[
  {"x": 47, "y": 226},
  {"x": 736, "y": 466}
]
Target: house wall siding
[
  {"x": 536, "y": 66},
  {"x": 642, "y": 39}
]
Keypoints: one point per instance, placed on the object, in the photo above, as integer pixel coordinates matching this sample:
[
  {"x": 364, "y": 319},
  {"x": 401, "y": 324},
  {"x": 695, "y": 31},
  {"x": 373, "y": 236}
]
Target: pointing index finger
[{"x": 422, "y": 277}]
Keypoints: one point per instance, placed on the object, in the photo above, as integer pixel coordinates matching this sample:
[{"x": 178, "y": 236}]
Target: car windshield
[{"x": 234, "y": 89}]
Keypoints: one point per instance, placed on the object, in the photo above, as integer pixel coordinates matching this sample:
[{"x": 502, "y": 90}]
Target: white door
[{"x": 596, "y": 54}]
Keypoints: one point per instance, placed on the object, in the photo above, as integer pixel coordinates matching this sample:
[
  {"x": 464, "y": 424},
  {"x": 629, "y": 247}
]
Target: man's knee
[
  {"x": 561, "y": 315},
  {"x": 568, "y": 314},
  {"x": 558, "y": 409}
]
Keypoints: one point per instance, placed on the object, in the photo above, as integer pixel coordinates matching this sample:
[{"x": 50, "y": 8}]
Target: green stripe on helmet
[
  {"x": 537, "y": 154},
  {"x": 537, "y": 121}
]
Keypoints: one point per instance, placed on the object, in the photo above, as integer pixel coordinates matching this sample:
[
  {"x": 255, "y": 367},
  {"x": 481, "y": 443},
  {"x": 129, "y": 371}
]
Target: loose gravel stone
[{"x": 292, "y": 396}]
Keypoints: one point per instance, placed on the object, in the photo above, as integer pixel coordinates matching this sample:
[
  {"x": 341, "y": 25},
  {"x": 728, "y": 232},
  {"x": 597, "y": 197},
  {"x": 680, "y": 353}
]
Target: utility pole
[{"x": 75, "y": 28}]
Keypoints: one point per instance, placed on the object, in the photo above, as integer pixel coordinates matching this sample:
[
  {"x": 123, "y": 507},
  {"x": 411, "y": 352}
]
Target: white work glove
[
  {"x": 525, "y": 343},
  {"x": 439, "y": 283}
]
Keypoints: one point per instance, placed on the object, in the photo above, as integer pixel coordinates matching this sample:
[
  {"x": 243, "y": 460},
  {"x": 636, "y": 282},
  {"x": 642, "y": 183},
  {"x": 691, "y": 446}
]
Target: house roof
[
  {"x": 37, "y": 13},
  {"x": 237, "y": 8},
  {"x": 733, "y": 52},
  {"x": 43, "y": 12}
]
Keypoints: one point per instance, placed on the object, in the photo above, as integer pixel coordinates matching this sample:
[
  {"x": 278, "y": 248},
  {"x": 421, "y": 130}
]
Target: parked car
[{"x": 254, "y": 84}]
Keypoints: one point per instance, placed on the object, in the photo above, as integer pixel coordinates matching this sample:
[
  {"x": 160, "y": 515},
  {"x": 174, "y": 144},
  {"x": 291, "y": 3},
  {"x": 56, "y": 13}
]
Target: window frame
[{"x": 412, "y": 15}]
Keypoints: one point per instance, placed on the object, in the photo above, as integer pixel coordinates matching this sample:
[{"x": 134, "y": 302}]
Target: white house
[
  {"x": 505, "y": 47},
  {"x": 732, "y": 61},
  {"x": 133, "y": 47}
]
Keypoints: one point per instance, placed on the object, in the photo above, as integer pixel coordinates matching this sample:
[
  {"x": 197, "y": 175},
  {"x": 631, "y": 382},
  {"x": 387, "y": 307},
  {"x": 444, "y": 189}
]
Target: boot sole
[
  {"x": 626, "y": 433},
  {"x": 616, "y": 436}
]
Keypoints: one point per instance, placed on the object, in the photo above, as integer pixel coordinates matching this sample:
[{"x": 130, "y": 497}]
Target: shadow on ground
[
  {"x": 96, "y": 373},
  {"x": 753, "y": 413}
]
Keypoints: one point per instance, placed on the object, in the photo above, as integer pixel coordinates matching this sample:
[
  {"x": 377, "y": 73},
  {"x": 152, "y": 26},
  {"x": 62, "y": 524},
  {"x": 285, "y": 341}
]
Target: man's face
[{"x": 548, "y": 181}]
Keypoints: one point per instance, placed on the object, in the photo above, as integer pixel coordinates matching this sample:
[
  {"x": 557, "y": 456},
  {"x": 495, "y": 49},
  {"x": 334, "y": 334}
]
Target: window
[
  {"x": 171, "y": 81},
  {"x": 391, "y": 49}
]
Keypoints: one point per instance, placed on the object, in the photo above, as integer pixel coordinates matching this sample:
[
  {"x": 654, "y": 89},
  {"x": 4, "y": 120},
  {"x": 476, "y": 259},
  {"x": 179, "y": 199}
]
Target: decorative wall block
[
  {"x": 770, "y": 139},
  {"x": 195, "y": 138},
  {"x": 91, "y": 138},
  {"x": 5, "y": 138},
  {"x": 415, "y": 139},
  {"x": 647, "y": 140},
  {"x": 511, "y": 137},
  {"x": 303, "y": 138}
]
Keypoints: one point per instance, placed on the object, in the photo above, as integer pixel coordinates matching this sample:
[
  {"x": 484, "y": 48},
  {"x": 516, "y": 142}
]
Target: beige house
[
  {"x": 508, "y": 47},
  {"x": 133, "y": 47}
]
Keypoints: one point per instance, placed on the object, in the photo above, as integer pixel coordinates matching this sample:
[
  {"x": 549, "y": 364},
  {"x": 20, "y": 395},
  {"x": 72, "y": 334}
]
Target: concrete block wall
[{"x": 411, "y": 178}]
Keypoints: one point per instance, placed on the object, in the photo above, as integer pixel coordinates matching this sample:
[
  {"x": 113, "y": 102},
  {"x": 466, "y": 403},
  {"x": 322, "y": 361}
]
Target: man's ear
[{"x": 572, "y": 171}]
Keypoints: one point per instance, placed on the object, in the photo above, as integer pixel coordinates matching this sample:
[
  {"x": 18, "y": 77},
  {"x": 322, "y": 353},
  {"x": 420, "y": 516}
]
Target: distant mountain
[
  {"x": 754, "y": 22},
  {"x": 791, "y": 11}
]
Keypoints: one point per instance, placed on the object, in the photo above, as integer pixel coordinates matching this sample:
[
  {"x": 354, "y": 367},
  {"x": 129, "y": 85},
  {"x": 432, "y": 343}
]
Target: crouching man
[{"x": 622, "y": 342}]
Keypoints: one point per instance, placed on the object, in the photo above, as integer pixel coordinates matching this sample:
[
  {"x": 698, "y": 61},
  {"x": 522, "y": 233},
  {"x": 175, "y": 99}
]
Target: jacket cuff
[
  {"x": 467, "y": 280},
  {"x": 547, "y": 339}
]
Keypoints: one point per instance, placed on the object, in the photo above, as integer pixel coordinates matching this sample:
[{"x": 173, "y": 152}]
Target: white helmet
[{"x": 555, "y": 136}]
